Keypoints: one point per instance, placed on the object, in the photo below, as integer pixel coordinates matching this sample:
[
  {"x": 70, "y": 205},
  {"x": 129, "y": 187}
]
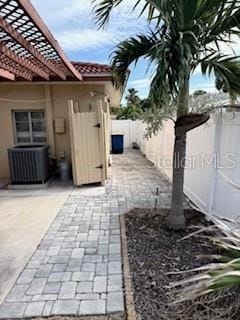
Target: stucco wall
[{"x": 60, "y": 94}]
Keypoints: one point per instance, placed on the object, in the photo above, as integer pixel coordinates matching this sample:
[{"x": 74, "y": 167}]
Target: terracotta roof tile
[{"x": 88, "y": 67}]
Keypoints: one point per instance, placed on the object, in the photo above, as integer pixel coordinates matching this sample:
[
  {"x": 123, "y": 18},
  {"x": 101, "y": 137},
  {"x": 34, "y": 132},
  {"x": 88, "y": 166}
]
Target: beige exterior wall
[
  {"x": 60, "y": 95},
  {"x": 55, "y": 103}
]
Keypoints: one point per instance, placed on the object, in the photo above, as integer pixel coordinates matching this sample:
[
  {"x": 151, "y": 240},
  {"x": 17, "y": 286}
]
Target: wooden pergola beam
[
  {"x": 30, "y": 10},
  {"x": 23, "y": 62},
  {"x": 27, "y": 45},
  {"x": 7, "y": 75},
  {"x": 21, "y": 74}
]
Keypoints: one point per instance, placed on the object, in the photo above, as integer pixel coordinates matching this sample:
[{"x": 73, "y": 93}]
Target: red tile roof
[{"x": 92, "y": 68}]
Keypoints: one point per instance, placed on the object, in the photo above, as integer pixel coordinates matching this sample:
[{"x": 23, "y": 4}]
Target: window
[{"x": 30, "y": 127}]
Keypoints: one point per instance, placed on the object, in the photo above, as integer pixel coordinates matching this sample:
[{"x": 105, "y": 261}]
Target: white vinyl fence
[{"x": 212, "y": 175}]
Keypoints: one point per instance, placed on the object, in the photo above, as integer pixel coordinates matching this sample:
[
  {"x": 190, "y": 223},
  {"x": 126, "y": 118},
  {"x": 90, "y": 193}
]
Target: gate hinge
[
  {"x": 98, "y": 125},
  {"x": 100, "y": 167}
]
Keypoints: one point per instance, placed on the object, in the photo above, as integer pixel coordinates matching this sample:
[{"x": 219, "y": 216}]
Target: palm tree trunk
[{"x": 176, "y": 219}]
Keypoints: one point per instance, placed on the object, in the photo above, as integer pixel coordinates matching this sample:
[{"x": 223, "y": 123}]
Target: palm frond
[
  {"x": 224, "y": 68},
  {"x": 224, "y": 273},
  {"x": 126, "y": 53},
  {"x": 227, "y": 22},
  {"x": 103, "y": 9}
]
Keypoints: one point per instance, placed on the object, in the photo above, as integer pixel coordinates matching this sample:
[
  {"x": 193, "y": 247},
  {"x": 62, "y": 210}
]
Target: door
[{"x": 87, "y": 145}]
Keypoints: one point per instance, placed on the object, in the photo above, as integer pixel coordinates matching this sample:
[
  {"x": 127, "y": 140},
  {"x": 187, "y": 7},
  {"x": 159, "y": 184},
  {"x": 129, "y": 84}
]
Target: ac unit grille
[{"x": 29, "y": 165}]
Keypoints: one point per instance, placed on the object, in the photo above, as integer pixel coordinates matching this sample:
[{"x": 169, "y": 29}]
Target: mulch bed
[{"x": 154, "y": 251}]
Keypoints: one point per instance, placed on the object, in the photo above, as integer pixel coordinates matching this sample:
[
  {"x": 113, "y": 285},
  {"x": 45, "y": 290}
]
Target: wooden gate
[{"x": 88, "y": 147}]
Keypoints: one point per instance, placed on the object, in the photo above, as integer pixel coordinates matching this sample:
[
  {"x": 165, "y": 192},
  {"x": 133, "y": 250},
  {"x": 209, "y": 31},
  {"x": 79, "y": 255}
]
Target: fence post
[
  {"x": 72, "y": 141},
  {"x": 102, "y": 140},
  {"x": 214, "y": 174},
  {"x": 130, "y": 132}
]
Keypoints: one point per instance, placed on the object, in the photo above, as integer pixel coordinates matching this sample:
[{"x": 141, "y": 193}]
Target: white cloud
[
  {"x": 140, "y": 83},
  {"x": 62, "y": 11},
  {"x": 84, "y": 40},
  {"x": 231, "y": 48},
  {"x": 72, "y": 23},
  {"x": 143, "y": 85}
]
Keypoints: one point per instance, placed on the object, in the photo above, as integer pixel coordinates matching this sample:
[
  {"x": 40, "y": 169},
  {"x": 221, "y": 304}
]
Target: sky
[{"x": 72, "y": 24}]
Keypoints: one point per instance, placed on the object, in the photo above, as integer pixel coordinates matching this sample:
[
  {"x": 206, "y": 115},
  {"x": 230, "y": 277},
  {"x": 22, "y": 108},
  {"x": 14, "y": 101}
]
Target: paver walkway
[{"x": 77, "y": 267}]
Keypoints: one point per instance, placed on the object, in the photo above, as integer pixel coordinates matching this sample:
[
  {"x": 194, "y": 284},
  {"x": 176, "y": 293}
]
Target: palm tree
[
  {"x": 146, "y": 104},
  {"x": 183, "y": 35},
  {"x": 132, "y": 97},
  {"x": 131, "y": 112}
]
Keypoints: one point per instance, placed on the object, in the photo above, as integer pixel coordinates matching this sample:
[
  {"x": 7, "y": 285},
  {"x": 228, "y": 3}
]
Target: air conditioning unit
[{"x": 29, "y": 164}]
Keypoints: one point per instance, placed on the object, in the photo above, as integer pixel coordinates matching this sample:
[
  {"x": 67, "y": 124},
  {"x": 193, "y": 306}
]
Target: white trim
[
  {"x": 28, "y": 111},
  {"x": 96, "y": 75}
]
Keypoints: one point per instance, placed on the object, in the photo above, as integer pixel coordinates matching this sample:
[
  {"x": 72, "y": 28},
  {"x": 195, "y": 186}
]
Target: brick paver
[{"x": 77, "y": 267}]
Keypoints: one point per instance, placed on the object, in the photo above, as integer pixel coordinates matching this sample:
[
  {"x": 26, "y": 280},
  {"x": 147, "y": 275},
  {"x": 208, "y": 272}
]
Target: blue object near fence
[{"x": 117, "y": 143}]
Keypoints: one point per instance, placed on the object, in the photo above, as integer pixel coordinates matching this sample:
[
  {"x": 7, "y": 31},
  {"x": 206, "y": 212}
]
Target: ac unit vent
[{"x": 29, "y": 164}]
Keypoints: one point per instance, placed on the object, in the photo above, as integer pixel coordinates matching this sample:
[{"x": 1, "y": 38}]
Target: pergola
[{"x": 28, "y": 50}]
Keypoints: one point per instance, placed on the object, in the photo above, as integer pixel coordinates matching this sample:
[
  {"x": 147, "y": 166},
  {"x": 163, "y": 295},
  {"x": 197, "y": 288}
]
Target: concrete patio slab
[
  {"x": 24, "y": 221},
  {"x": 55, "y": 187}
]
